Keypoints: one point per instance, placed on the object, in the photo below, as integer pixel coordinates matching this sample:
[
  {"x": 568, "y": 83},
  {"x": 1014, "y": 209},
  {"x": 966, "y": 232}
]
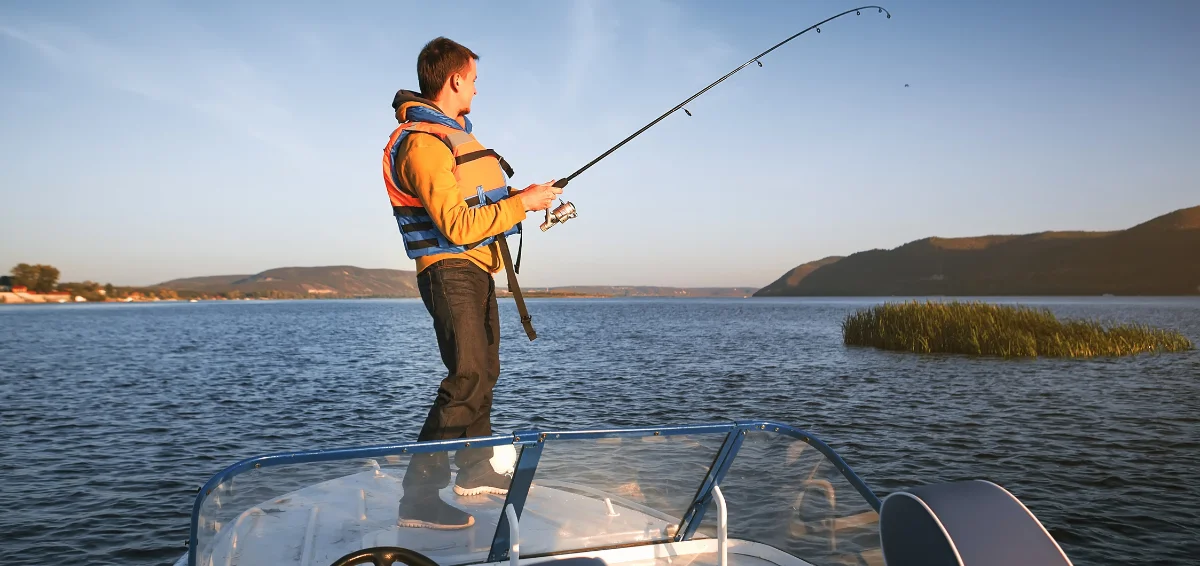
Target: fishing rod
[{"x": 566, "y": 211}]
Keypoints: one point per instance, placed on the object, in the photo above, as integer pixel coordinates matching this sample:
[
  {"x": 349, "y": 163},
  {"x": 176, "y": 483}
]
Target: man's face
[{"x": 465, "y": 88}]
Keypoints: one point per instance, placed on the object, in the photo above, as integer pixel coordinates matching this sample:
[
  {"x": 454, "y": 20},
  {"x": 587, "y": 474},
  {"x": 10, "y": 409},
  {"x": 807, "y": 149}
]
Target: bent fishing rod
[{"x": 566, "y": 211}]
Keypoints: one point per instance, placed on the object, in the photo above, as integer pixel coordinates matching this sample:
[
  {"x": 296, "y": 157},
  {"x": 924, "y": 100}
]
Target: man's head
[{"x": 446, "y": 73}]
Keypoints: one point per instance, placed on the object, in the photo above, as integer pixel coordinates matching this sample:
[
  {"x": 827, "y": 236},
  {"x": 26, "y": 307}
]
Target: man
[{"x": 451, "y": 200}]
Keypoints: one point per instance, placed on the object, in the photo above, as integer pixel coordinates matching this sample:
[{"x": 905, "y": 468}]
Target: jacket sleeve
[{"x": 426, "y": 166}]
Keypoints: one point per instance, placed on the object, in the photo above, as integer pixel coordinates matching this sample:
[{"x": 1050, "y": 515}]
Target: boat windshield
[{"x": 571, "y": 492}]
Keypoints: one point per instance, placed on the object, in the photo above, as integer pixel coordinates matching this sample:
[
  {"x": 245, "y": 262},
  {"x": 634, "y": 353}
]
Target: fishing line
[{"x": 565, "y": 211}]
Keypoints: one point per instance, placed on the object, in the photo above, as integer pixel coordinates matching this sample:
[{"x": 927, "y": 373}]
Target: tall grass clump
[{"x": 999, "y": 330}]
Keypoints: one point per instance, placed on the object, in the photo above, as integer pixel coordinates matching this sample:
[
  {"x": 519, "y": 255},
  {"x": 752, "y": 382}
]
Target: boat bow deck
[{"x": 642, "y": 496}]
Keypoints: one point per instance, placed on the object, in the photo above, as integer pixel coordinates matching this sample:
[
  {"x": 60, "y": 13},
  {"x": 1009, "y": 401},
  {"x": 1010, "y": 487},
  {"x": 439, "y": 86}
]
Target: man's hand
[{"x": 539, "y": 197}]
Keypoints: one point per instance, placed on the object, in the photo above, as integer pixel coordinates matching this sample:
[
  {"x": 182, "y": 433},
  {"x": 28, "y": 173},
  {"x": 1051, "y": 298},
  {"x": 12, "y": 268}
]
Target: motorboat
[{"x": 750, "y": 493}]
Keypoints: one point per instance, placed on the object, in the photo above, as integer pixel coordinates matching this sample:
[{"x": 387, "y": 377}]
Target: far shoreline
[{"x": 825, "y": 298}]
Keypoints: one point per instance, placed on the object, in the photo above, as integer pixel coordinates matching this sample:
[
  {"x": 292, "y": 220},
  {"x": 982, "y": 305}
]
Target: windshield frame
[{"x": 531, "y": 443}]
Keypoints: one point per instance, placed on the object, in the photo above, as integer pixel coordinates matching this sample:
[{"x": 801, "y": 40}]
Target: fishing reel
[{"x": 564, "y": 212}]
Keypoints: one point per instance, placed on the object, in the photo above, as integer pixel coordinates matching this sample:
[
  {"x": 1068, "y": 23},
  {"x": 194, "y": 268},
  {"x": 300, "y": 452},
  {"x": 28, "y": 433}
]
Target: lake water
[{"x": 112, "y": 415}]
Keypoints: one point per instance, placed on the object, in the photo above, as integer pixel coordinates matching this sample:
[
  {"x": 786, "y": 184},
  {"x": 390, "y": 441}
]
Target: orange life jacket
[{"x": 482, "y": 176}]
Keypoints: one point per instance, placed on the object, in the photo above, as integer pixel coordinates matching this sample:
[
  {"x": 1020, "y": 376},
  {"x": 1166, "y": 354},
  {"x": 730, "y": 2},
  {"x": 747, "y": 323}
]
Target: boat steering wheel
[{"x": 384, "y": 556}]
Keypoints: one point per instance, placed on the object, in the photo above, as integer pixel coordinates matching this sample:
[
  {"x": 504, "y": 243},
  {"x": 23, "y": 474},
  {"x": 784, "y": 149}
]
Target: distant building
[{"x": 20, "y": 289}]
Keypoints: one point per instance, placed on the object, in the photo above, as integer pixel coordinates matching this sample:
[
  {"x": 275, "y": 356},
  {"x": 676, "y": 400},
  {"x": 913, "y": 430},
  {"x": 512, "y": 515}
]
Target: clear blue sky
[{"x": 143, "y": 141}]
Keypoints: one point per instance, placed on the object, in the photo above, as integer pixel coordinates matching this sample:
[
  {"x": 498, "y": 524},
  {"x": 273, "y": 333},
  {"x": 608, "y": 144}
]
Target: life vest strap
[
  {"x": 444, "y": 139},
  {"x": 408, "y": 211},
  {"x": 419, "y": 211},
  {"x": 520, "y": 250},
  {"x": 466, "y": 157},
  {"x": 416, "y": 227},
  {"x": 515, "y": 289},
  {"x": 422, "y": 244}
]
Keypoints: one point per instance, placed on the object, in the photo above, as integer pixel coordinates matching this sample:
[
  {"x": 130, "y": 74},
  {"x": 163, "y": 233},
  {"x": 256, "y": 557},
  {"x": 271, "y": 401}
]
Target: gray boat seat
[{"x": 971, "y": 523}]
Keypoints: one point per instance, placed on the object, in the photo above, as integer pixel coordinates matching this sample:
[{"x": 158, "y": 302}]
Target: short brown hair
[{"x": 438, "y": 60}]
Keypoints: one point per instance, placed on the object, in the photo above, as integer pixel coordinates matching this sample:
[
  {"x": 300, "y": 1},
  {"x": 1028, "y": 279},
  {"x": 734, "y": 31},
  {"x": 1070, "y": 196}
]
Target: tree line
[{"x": 38, "y": 278}]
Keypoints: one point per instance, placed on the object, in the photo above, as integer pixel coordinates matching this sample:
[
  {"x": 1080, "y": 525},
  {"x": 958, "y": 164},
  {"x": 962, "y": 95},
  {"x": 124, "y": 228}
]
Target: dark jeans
[{"x": 461, "y": 298}]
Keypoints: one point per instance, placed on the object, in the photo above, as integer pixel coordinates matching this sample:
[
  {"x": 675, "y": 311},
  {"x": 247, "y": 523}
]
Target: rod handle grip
[{"x": 561, "y": 183}]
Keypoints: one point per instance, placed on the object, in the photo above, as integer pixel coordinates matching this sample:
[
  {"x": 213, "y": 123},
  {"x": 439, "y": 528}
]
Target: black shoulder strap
[
  {"x": 520, "y": 249},
  {"x": 440, "y": 138},
  {"x": 508, "y": 170},
  {"x": 526, "y": 320}
]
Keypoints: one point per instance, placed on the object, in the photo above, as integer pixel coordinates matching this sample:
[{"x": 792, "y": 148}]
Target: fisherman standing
[{"x": 451, "y": 200}]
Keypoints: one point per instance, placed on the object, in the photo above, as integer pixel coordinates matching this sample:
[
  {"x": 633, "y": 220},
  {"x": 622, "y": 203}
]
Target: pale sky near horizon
[{"x": 146, "y": 141}]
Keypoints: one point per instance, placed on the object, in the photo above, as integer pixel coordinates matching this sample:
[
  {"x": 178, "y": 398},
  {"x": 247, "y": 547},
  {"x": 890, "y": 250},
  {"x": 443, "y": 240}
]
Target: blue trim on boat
[
  {"x": 310, "y": 456},
  {"x": 531, "y": 443},
  {"x": 716, "y": 472},
  {"x": 842, "y": 466}
]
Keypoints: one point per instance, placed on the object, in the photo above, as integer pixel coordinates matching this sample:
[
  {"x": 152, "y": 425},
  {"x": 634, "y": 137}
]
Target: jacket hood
[{"x": 412, "y": 106}]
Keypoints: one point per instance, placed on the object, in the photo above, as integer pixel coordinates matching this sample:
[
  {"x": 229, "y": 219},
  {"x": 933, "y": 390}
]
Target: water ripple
[{"x": 112, "y": 415}]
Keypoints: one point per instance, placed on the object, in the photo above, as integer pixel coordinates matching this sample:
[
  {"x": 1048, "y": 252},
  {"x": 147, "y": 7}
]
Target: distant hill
[
  {"x": 340, "y": 281},
  {"x": 793, "y": 278},
  {"x": 1158, "y": 257},
  {"x": 348, "y": 281}
]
